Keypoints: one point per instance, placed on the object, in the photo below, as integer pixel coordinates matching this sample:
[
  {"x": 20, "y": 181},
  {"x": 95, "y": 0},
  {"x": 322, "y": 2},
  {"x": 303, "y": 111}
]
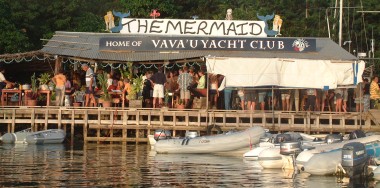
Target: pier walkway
[{"x": 133, "y": 125}]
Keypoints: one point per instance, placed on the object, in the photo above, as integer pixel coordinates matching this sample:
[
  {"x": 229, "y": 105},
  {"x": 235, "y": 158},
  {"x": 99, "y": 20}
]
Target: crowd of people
[{"x": 171, "y": 87}]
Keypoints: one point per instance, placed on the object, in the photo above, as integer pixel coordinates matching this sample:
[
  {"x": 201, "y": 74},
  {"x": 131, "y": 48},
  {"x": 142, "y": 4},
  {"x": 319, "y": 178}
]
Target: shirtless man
[{"x": 59, "y": 81}]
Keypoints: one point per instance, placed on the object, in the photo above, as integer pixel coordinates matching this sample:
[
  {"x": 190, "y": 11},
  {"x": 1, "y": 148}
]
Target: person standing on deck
[
  {"x": 159, "y": 80},
  {"x": 90, "y": 85},
  {"x": 285, "y": 98},
  {"x": 374, "y": 91},
  {"x": 345, "y": 98},
  {"x": 339, "y": 99},
  {"x": 59, "y": 81},
  {"x": 359, "y": 96},
  {"x": 184, "y": 81},
  {"x": 311, "y": 97}
]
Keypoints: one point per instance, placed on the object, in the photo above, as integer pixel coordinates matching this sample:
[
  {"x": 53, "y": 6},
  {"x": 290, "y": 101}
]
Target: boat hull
[
  {"x": 211, "y": 144},
  {"x": 51, "y": 136},
  {"x": 326, "y": 163},
  {"x": 305, "y": 156}
]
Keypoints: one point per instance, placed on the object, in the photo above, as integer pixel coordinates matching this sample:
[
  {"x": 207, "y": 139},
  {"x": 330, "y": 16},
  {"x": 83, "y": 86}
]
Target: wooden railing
[{"x": 135, "y": 124}]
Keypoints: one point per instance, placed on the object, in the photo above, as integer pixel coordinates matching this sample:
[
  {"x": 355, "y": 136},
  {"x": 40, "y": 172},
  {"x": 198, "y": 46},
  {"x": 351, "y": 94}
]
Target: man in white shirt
[{"x": 4, "y": 82}]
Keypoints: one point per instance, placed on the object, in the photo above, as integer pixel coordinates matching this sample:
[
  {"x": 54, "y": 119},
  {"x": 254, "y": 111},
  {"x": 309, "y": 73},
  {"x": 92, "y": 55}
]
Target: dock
[{"x": 133, "y": 125}]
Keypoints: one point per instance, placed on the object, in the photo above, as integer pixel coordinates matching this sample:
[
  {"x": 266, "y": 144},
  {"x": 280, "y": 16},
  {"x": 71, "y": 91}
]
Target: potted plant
[
  {"x": 33, "y": 94},
  {"x": 135, "y": 100},
  {"x": 105, "y": 95},
  {"x": 79, "y": 97},
  {"x": 44, "y": 80}
]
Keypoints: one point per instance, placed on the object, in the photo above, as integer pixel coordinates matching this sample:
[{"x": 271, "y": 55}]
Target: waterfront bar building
[{"x": 246, "y": 62}]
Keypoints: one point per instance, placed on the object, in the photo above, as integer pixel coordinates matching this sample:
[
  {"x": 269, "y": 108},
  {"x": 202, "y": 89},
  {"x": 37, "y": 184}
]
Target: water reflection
[{"x": 135, "y": 166}]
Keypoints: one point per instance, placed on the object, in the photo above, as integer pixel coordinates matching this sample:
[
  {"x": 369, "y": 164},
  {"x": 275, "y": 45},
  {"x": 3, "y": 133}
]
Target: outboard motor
[
  {"x": 357, "y": 134},
  {"x": 354, "y": 159},
  {"x": 289, "y": 148},
  {"x": 160, "y": 134},
  {"x": 333, "y": 138}
]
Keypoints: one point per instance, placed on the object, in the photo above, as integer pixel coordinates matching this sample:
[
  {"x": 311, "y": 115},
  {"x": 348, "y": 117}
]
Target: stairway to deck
[{"x": 374, "y": 115}]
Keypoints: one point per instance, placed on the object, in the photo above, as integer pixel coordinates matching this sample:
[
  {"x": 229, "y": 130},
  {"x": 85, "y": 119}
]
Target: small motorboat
[
  {"x": 212, "y": 144},
  {"x": 273, "y": 141},
  {"x": 273, "y": 158},
  {"x": 50, "y": 136},
  {"x": 330, "y": 162},
  {"x": 305, "y": 156}
]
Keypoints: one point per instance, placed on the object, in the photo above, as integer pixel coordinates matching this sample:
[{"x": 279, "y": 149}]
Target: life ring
[{"x": 210, "y": 127}]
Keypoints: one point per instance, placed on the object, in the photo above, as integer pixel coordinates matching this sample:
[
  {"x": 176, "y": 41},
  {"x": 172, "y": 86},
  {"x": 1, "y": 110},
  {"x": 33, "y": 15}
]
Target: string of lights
[
  {"x": 25, "y": 59},
  {"x": 104, "y": 65}
]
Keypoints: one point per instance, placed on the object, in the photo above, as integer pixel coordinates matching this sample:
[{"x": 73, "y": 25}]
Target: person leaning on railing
[
  {"x": 4, "y": 82},
  {"x": 374, "y": 92}
]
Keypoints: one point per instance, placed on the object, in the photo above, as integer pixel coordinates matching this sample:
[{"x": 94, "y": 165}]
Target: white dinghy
[
  {"x": 305, "y": 156},
  {"x": 212, "y": 144}
]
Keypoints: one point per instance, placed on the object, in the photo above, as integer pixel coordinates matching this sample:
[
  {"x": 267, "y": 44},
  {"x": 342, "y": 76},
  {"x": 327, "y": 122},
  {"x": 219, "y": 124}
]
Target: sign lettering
[
  {"x": 216, "y": 28},
  {"x": 160, "y": 43}
]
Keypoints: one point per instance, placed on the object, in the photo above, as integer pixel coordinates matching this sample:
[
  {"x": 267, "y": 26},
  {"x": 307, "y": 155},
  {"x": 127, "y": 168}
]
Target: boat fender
[
  {"x": 9, "y": 138},
  {"x": 210, "y": 127}
]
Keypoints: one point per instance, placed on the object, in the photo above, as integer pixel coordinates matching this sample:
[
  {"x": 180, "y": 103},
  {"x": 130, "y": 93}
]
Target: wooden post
[
  {"x": 85, "y": 118},
  {"x": 330, "y": 123},
  {"x": 98, "y": 129},
  {"x": 137, "y": 136},
  {"x": 124, "y": 131},
  {"x": 60, "y": 118},
  {"x": 46, "y": 119},
  {"x": 32, "y": 121},
  {"x": 112, "y": 124},
  {"x": 199, "y": 119},
  {"x": 72, "y": 126},
  {"x": 58, "y": 63},
  {"x": 13, "y": 120}
]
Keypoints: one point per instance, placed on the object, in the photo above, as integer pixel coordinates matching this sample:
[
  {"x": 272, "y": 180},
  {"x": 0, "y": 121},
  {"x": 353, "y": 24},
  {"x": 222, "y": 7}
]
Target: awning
[{"x": 303, "y": 73}]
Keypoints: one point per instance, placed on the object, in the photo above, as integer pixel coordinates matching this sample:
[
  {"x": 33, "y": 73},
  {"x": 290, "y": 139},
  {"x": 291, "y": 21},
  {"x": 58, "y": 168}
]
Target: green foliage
[
  {"x": 143, "y": 8},
  {"x": 44, "y": 78},
  {"x": 135, "y": 88},
  {"x": 23, "y": 23},
  {"x": 102, "y": 78},
  {"x": 34, "y": 86},
  {"x": 128, "y": 72}
]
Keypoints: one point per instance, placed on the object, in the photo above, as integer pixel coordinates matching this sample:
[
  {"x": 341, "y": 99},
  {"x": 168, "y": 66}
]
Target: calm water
[{"x": 132, "y": 165}]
